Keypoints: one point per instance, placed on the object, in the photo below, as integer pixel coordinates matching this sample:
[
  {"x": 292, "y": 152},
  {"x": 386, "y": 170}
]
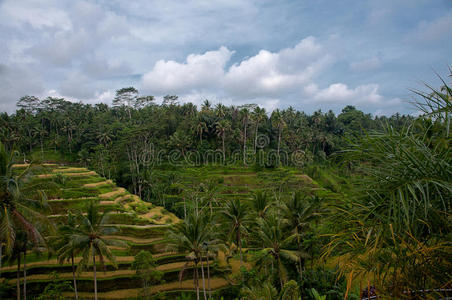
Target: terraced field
[
  {"x": 236, "y": 182},
  {"x": 140, "y": 226}
]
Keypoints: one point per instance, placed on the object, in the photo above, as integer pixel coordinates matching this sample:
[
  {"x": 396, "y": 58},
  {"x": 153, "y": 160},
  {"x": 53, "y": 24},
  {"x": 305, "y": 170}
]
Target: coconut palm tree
[
  {"x": 190, "y": 236},
  {"x": 222, "y": 127},
  {"x": 201, "y": 127},
  {"x": 245, "y": 116},
  {"x": 210, "y": 190},
  {"x": 258, "y": 116},
  {"x": 20, "y": 204},
  {"x": 276, "y": 245},
  {"x": 279, "y": 123},
  {"x": 260, "y": 203},
  {"x": 89, "y": 237},
  {"x": 300, "y": 215},
  {"x": 235, "y": 214},
  {"x": 220, "y": 110},
  {"x": 65, "y": 244}
]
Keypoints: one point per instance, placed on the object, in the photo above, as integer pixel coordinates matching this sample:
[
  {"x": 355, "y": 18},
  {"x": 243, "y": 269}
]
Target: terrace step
[
  {"x": 106, "y": 275},
  {"x": 97, "y": 184},
  {"x": 90, "y": 173},
  {"x": 132, "y": 239},
  {"x": 185, "y": 285}
]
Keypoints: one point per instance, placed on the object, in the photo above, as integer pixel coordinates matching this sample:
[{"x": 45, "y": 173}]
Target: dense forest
[
  {"x": 122, "y": 141},
  {"x": 296, "y": 205}
]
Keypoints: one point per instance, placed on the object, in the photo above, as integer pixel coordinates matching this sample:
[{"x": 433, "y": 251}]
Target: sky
[{"x": 309, "y": 54}]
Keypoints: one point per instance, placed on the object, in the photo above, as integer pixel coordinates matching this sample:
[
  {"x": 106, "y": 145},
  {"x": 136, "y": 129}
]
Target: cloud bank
[{"x": 288, "y": 76}]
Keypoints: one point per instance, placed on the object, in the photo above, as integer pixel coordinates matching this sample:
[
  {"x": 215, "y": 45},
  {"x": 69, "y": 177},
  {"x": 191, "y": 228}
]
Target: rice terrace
[{"x": 261, "y": 150}]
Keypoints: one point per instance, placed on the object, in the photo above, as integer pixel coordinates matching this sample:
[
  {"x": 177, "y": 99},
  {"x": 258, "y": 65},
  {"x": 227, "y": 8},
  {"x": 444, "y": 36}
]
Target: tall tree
[
  {"x": 279, "y": 123},
  {"x": 222, "y": 127},
  {"x": 235, "y": 214},
  {"x": 89, "y": 237},
  {"x": 276, "y": 245},
  {"x": 245, "y": 116},
  {"x": 190, "y": 236},
  {"x": 18, "y": 209},
  {"x": 126, "y": 97},
  {"x": 66, "y": 244},
  {"x": 258, "y": 116}
]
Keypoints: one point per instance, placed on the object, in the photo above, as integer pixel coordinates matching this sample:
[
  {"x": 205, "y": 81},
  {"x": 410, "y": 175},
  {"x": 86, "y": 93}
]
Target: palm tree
[
  {"x": 65, "y": 244},
  {"x": 245, "y": 115},
  {"x": 258, "y": 116},
  {"x": 277, "y": 244},
  {"x": 260, "y": 202},
  {"x": 180, "y": 141},
  {"x": 210, "y": 190},
  {"x": 89, "y": 237},
  {"x": 18, "y": 210},
  {"x": 278, "y": 122},
  {"x": 220, "y": 111},
  {"x": 260, "y": 291},
  {"x": 201, "y": 127},
  {"x": 190, "y": 236},
  {"x": 299, "y": 214},
  {"x": 222, "y": 127},
  {"x": 206, "y": 106},
  {"x": 395, "y": 229},
  {"x": 235, "y": 214},
  {"x": 104, "y": 136},
  {"x": 20, "y": 245},
  {"x": 41, "y": 132}
]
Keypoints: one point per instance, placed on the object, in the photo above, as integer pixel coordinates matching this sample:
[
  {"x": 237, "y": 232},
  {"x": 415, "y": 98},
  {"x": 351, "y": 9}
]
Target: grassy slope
[{"x": 140, "y": 225}]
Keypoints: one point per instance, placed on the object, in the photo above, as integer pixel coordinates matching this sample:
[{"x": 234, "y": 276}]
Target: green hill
[{"x": 140, "y": 225}]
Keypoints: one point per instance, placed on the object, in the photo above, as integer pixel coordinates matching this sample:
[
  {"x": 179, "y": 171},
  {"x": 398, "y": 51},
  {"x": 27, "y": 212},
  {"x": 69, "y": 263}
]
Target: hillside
[{"x": 140, "y": 225}]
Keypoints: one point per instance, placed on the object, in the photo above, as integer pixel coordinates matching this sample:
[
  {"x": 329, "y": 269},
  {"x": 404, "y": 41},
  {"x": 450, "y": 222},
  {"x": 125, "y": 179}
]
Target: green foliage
[
  {"x": 55, "y": 289},
  {"x": 61, "y": 179},
  {"x": 145, "y": 266},
  {"x": 316, "y": 295}
]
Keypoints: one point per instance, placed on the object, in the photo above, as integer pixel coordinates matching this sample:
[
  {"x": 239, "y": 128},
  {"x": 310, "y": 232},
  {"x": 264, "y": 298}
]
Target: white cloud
[
  {"x": 269, "y": 73},
  {"x": 341, "y": 93},
  {"x": 199, "y": 72},
  {"x": 105, "y": 97},
  {"x": 265, "y": 79},
  {"x": 263, "y": 75}
]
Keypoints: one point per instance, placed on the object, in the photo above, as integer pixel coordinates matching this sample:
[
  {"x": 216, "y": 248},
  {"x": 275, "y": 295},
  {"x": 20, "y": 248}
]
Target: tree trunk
[
  {"x": 239, "y": 244},
  {"x": 224, "y": 153},
  {"x": 25, "y": 275},
  {"x": 255, "y": 138},
  {"x": 18, "y": 278},
  {"x": 73, "y": 276},
  {"x": 95, "y": 278},
  {"x": 197, "y": 281},
  {"x": 244, "y": 146},
  {"x": 279, "y": 145},
  {"x": 208, "y": 276},
  {"x": 203, "y": 280}
]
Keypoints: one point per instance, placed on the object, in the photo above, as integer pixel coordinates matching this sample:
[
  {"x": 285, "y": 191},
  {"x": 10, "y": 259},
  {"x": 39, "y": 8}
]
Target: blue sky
[{"x": 316, "y": 54}]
